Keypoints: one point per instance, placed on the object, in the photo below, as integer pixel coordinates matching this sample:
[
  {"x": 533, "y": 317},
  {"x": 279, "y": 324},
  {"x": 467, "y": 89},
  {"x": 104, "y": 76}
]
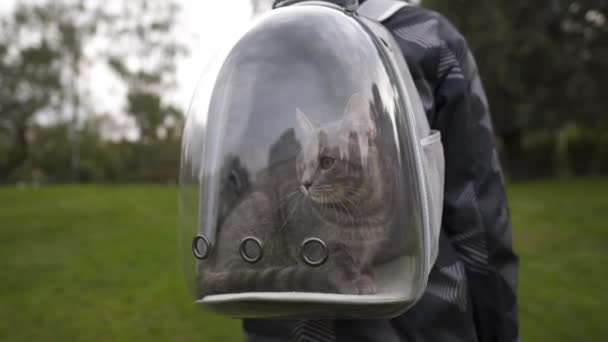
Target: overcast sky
[
  {"x": 212, "y": 21},
  {"x": 207, "y": 22}
]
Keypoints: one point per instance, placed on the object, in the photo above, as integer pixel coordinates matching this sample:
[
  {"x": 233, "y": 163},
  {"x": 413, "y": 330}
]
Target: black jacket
[{"x": 471, "y": 294}]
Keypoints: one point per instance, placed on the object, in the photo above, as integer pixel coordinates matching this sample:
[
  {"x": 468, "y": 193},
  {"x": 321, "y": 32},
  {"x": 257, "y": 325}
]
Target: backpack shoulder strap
[{"x": 381, "y": 10}]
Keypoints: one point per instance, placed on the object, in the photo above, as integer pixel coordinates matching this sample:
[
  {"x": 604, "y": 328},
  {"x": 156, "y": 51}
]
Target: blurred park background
[{"x": 93, "y": 96}]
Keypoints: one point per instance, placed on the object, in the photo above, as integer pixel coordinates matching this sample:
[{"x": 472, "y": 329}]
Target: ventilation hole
[
  {"x": 201, "y": 247},
  {"x": 314, "y": 252},
  {"x": 251, "y": 250}
]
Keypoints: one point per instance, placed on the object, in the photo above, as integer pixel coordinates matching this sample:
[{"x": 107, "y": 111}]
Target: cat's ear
[
  {"x": 358, "y": 116},
  {"x": 304, "y": 122}
]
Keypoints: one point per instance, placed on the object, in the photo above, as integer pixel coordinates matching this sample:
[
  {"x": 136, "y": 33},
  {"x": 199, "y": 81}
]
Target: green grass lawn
[{"x": 100, "y": 264}]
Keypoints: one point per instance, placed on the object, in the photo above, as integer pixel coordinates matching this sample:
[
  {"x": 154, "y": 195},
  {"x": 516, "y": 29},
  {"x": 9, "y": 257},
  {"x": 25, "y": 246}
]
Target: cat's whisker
[
  {"x": 340, "y": 207},
  {"x": 352, "y": 194},
  {"x": 336, "y": 213},
  {"x": 286, "y": 199},
  {"x": 346, "y": 210},
  {"x": 350, "y": 188},
  {"x": 354, "y": 206},
  {"x": 290, "y": 216},
  {"x": 353, "y": 191},
  {"x": 341, "y": 213}
]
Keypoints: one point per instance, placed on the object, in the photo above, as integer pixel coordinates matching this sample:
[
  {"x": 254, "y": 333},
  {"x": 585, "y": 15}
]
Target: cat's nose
[{"x": 307, "y": 184}]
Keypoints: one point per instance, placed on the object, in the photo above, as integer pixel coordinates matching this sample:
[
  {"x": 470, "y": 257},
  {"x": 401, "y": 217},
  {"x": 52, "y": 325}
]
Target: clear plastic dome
[{"x": 300, "y": 176}]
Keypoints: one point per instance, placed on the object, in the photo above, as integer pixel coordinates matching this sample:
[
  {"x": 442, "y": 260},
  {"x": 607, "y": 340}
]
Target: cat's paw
[
  {"x": 361, "y": 285},
  {"x": 365, "y": 285}
]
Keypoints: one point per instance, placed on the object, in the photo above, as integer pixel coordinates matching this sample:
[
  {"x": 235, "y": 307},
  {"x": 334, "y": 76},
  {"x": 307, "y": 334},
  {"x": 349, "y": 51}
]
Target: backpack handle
[
  {"x": 381, "y": 10},
  {"x": 349, "y": 5}
]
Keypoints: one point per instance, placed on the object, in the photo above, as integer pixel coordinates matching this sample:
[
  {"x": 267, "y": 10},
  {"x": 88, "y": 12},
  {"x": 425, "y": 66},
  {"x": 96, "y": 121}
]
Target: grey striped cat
[{"x": 339, "y": 188}]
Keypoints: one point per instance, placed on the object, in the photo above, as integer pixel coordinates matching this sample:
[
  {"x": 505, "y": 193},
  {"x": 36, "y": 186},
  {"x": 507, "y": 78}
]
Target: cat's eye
[{"x": 326, "y": 162}]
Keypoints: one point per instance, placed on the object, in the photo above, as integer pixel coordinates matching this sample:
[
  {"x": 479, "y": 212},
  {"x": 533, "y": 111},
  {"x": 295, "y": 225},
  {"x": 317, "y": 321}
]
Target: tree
[
  {"x": 47, "y": 48},
  {"x": 31, "y": 77},
  {"x": 154, "y": 75},
  {"x": 542, "y": 66},
  {"x": 159, "y": 123}
]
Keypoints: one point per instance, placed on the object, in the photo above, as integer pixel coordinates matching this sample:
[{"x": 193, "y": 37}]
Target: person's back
[{"x": 471, "y": 292}]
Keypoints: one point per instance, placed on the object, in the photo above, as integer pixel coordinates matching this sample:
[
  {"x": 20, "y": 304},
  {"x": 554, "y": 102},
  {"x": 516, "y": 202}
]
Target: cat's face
[{"x": 333, "y": 164}]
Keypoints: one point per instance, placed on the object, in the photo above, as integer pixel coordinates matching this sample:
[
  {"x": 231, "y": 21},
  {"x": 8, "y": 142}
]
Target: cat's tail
[{"x": 273, "y": 279}]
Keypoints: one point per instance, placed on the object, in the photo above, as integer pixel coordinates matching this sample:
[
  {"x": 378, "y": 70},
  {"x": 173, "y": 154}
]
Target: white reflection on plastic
[{"x": 198, "y": 113}]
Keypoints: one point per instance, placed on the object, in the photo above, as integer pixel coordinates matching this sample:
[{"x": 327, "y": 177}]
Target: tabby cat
[{"x": 339, "y": 188}]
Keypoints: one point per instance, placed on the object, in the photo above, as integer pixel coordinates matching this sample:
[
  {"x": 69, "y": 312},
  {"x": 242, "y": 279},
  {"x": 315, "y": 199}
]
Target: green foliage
[
  {"x": 153, "y": 118},
  {"x": 101, "y": 160},
  {"x": 30, "y": 79},
  {"x": 579, "y": 146},
  {"x": 49, "y": 155},
  {"x": 540, "y": 151},
  {"x": 6, "y": 142},
  {"x": 602, "y": 154},
  {"x": 542, "y": 66},
  {"x": 45, "y": 48}
]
